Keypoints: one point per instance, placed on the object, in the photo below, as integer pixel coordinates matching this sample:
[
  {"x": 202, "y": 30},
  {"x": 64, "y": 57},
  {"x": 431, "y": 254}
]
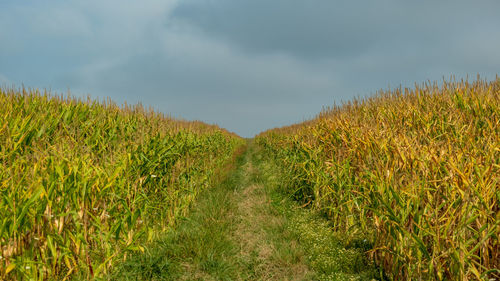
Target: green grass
[{"x": 246, "y": 228}]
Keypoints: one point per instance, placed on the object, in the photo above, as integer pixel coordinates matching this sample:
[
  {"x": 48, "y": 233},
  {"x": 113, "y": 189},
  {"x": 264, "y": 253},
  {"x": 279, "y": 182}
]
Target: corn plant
[
  {"x": 84, "y": 183},
  {"x": 419, "y": 168}
]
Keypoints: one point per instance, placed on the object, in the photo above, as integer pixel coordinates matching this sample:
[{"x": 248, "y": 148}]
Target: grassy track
[{"x": 246, "y": 229}]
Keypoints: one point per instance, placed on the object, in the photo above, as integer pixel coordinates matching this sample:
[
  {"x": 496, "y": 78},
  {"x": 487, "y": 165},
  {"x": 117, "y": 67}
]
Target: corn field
[
  {"x": 84, "y": 183},
  {"x": 418, "y": 168}
]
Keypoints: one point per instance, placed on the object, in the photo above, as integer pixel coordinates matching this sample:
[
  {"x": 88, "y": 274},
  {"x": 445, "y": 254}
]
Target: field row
[
  {"x": 417, "y": 170},
  {"x": 83, "y": 184}
]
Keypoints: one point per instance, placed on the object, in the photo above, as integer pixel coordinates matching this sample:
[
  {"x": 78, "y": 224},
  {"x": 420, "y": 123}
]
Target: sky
[{"x": 245, "y": 65}]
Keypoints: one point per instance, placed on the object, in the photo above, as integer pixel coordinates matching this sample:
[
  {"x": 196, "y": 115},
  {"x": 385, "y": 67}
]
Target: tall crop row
[
  {"x": 418, "y": 168},
  {"x": 83, "y": 184}
]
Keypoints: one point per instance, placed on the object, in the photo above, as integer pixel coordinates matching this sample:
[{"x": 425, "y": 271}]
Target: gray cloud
[
  {"x": 339, "y": 29},
  {"x": 245, "y": 65}
]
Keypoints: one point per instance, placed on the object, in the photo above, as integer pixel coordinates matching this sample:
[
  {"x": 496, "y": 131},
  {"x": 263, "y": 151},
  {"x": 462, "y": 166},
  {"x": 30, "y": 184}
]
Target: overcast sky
[{"x": 244, "y": 65}]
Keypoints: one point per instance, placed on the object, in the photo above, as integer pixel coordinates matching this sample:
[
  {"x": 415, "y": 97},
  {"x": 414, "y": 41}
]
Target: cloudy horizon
[{"x": 245, "y": 65}]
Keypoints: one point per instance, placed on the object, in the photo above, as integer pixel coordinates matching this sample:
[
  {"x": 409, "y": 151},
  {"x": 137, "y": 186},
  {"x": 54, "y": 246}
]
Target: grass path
[{"x": 246, "y": 229}]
